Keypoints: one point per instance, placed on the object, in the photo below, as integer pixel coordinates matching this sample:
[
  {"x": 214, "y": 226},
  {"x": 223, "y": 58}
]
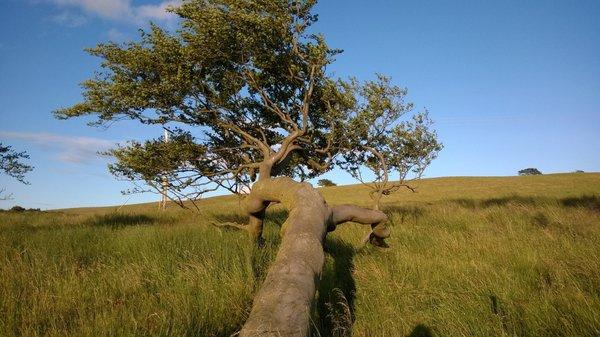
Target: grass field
[{"x": 510, "y": 256}]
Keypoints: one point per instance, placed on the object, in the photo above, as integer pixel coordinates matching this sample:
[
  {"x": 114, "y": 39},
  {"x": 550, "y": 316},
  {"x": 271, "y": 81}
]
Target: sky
[{"x": 510, "y": 84}]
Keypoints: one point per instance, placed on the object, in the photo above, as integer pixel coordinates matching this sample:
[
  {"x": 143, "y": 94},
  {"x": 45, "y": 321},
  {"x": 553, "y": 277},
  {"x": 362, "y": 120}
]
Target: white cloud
[
  {"x": 71, "y": 149},
  {"x": 68, "y": 19},
  {"x": 122, "y": 10},
  {"x": 157, "y": 12},
  {"x": 113, "y": 9}
]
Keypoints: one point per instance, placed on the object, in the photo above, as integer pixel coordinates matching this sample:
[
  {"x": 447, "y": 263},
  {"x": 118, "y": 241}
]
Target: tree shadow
[
  {"x": 591, "y": 202},
  {"x": 229, "y": 217},
  {"x": 421, "y": 330},
  {"x": 120, "y": 220},
  {"x": 492, "y": 202},
  {"x": 406, "y": 212},
  {"x": 336, "y": 292}
]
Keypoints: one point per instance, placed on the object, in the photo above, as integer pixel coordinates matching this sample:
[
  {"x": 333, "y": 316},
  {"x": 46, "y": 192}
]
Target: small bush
[
  {"x": 530, "y": 172},
  {"x": 17, "y": 209},
  {"x": 326, "y": 183}
]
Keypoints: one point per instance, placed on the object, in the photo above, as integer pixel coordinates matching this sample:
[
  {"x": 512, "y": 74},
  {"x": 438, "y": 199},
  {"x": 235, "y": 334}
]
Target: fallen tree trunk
[{"x": 282, "y": 305}]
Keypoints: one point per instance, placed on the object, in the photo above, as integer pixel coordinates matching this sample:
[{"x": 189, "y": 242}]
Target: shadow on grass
[
  {"x": 486, "y": 203},
  {"x": 421, "y": 330},
  {"x": 120, "y": 220},
  {"x": 335, "y": 303},
  {"x": 229, "y": 217},
  {"x": 276, "y": 216},
  {"x": 591, "y": 202},
  {"x": 406, "y": 212}
]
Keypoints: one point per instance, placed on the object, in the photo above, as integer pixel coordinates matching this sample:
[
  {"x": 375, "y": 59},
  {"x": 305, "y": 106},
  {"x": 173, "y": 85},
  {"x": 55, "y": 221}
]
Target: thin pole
[{"x": 165, "y": 184}]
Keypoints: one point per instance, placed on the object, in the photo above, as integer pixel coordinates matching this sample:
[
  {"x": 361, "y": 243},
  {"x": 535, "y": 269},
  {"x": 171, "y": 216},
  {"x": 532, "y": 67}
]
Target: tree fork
[{"x": 282, "y": 305}]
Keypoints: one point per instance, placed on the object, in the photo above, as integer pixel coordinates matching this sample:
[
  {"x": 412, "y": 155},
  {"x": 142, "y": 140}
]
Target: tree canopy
[
  {"x": 245, "y": 73},
  {"x": 326, "y": 183},
  {"x": 245, "y": 90},
  {"x": 382, "y": 141},
  {"x": 532, "y": 171}
]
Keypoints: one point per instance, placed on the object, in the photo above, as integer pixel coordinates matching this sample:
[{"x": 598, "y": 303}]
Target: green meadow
[{"x": 497, "y": 256}]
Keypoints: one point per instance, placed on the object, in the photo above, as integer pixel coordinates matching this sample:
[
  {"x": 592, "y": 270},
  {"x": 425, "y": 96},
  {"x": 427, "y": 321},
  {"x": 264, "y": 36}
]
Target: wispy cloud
[
  {"x": 122, "y": 10},
  {"x": 79, "y": 150},
  {"x": 157, "y": 12},
  {"x": 69, "y": 19},
  {"x": 112, "y": 9}
]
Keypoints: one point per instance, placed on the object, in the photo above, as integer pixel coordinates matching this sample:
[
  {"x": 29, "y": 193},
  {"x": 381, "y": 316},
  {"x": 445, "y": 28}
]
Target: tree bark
[
  {"x": 377, "y": 200},
  {"x": 282, "y": 305},
  {"x": 256, "y": 206}
]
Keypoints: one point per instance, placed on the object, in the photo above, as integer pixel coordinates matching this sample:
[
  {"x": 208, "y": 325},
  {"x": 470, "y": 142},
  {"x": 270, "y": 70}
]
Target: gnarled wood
[{"x": 282, "y": 305}]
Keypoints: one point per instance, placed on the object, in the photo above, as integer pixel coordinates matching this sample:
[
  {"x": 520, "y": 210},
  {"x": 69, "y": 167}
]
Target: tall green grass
[{"x": 469, "y": 257}]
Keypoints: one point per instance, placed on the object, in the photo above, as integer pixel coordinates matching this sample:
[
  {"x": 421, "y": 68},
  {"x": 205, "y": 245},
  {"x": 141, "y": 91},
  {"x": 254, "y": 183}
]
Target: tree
[
  {"x": 17, "y": 208},
  {"x": 11, "y": 164},
  {"x": 529, "y": 172},
  {"x": 155, "y": 162},
  {"x": 326, "y": 183},
  {"x": 244, "y": 88},
  {"x": 380, "y": 141}
]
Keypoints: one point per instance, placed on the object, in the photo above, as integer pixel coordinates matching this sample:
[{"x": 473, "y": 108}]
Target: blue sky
[{"x": 511, "y": 84}]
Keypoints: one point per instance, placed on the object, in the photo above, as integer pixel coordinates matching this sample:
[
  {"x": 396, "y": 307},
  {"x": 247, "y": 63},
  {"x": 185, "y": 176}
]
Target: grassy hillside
[{"x": 509, "y": 256}]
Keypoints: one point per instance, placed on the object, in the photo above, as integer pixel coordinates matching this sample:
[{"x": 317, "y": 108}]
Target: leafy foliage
[
  {"x": 380, "y": 140},
  {"x": 326, "y": 183},
  {"x": 529, "y": 172},
  {"x": 11, "y": 164},
  {"x": 245, "y": 85},
  {"x": 177, "y": 165},
  {"x": 244, "y": 75}
]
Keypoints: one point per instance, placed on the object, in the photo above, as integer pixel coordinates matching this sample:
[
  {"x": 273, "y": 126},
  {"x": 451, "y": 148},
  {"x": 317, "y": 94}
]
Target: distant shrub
[
  {"x": 326, "y": 183},
  {"x": 579, "y": 171},
  {"x": 530, "y": 172},
  {"x": 17, "y": 209}
]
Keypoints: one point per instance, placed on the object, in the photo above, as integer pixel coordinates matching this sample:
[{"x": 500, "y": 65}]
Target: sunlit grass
[{"x": 469, "y": 257}]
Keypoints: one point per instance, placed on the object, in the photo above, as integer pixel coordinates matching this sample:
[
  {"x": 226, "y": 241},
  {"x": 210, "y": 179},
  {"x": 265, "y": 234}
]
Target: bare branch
[{"x": 5, "y": 196}]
